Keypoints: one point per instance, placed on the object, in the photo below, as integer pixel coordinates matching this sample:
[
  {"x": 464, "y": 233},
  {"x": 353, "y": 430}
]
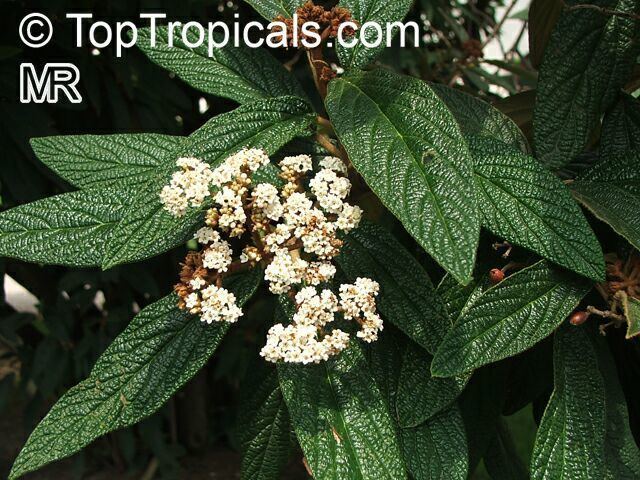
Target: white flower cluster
[
  {"x": 308, "y": 339},
  {"x": 189, "y": 187},
  {"x": 292, "y": 230}
]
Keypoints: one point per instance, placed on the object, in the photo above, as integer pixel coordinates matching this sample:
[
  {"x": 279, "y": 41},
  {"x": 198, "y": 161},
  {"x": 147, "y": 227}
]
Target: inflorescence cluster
[{"x": 292, "y": 230}]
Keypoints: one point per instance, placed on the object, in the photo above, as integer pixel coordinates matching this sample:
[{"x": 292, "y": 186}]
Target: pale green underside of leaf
[
  {"x": 407, "y": 146},
  {"x": 341, "y": 419},
  {"x": 584, "y": 433},
  {"x": 611, "y": 191},
  {"x": 271, "y": 9},
  {"x": 160, "y": 350},
  {"x": 407, "y": 297},
  {"x": 68, "y": 229},
  {"x": 529, "y": 206},
  {"x": 437, "y": 449},
  {"x": 631, "y": 310},
  {"x": 240, "y": 73},
  {"x": 382, "y": 12},
  {"x": 509, "y": 318},
  {"x": 477, "y": 117},
  {"x": 104, "y": 160},
  {"x": 148, "y": 229},
  {"x": 621, "y": 128},
  {"x": 265, "y": 427},
  {"x": 588, "y": 59}
]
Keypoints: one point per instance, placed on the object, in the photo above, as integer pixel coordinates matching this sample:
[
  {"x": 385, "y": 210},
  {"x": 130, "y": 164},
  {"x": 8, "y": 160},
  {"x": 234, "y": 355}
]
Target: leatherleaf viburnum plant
[{"x": 434, "y": 268}]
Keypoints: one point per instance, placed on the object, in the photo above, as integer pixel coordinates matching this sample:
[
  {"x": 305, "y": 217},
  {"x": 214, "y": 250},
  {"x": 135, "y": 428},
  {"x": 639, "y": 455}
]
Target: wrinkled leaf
[
  {"x": 421, "y": 396},
  {"x": 341, "y": 419},
  {"x": 437, "y": 449},
  {"x": 407, "y": 146},
  {"x": 585, "y": 432},
  {"x": 477, "y": 117},
  {"x": 587, "y": 60},
  {"x": 160, "y": 350},
  {"x": 621, "y": 128},
  {"x": 100, "y": 160},
  {"x": 68, "y": 229},
  {"x": 529, "y": 206},
  {"x": 631, "y": 310},
  {"x": 265, "y": 428},
  {"x": 270, "y": 9},
  {"x": 509, "y": 318},
  {"x": 382, "y": 12},
  {"x": 611, "y": 191},
  {"x": 242, "y": 73}
]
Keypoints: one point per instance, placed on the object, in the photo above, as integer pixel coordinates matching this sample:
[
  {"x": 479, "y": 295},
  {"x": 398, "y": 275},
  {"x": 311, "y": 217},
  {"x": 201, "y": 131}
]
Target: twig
[
  {"x": 499, "y": 25},
  {"x": 604, "y": 11},
  {"x": 325, "y": 142}
]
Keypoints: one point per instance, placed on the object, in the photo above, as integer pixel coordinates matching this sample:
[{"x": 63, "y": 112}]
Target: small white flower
[
  {"x": 217, "y": 256},
  {"x": 334, "y": 163},
  {"x": 266, "y": 199},
  {"x": 188, "y": 187},
  {"x": 330, "y": 190},
  {"x": 219, "y": 305},
  {"x": 298, "y": 164},
  {"x": 349, "y": 217},
  {"x": 284, "y": 271},
  {"x": 207, "y": 235}
]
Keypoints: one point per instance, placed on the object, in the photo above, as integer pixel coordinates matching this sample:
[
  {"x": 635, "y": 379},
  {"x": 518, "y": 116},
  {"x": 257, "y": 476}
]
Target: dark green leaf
[
  {"x": 271, "y": 9},
  {"x": 148, "y": 229},
  {"x": 341, "y": 419},
  {"x": 147, "y": 363},
  {"x": 458, "y": 298},
  {"x": 101, "y": 160},
  {"x": 241, "y": 73},
  {"x": 264, "y": 426},
  {"x": 588, "y": 59},
  {"x": 621, "y": 128},
  {"x": 611, "y": 191},
  {"x": 529, "y": 206},
  {"x": 585, "y": 431},
  {"x": 406, "y": 144},
  {"x": 477, "y": 117},
  {"x": 407, "y": 297},
  {"x": 421, "y": 396},
  {"x": 381, "y": 12},
  {"x": 69, "y": 229},
  {"x": 509, "y": 318},
  {"x": 437, "y": 449}
]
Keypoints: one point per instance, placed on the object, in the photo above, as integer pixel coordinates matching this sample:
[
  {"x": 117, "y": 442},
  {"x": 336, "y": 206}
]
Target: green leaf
[
  {"x": 341, "y": 419},
  {"x": 458, "y": 298},
  {"x": 611, "y": 191},
  {"x": 529, "y": 206},
  {"x": 437, "y": 449},
  {"x": 270, "y": 9},
  {"x": 406, "y": 144},
  {"x": 421, "y": 396},
  {"x": 381, "y": 12},
  {"x": 240, "y": 73},
  {"x": 264, "y": 425},
  {"x": 102, "y": 160},
  {"x": 621, "y": 128},
  {"x": 407, "y": 297},
  {"x": 588, "y": 59},
  {"x": 160, "y": 350},
  {"x": 147, "y": 229},
  {"x": 68, "y": 229},
  {"x": 477, "y": 117},
  {"x": 509, "y": 318},
  {"x": 631, "y": 310},
  {"x": 585, "y": 430}
]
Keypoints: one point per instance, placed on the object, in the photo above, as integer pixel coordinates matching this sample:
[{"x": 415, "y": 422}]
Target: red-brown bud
[
  {"x": 578, "y": 318},
  {"x": 496, "y": 276}
]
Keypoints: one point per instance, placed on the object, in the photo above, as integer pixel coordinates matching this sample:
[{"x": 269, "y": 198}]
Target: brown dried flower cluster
[
  {"x": 328, "y": 20},
  {"x": 623, "y": 275}
]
